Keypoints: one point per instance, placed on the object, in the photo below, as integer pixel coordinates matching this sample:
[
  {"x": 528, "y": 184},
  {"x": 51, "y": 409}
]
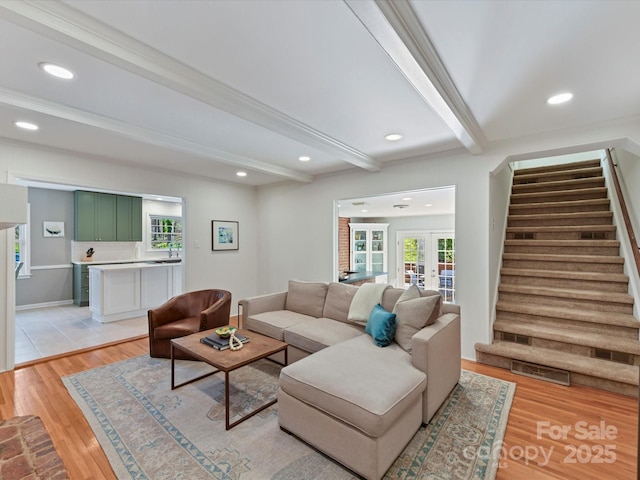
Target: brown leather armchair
[{"x": 185, "y": 314}]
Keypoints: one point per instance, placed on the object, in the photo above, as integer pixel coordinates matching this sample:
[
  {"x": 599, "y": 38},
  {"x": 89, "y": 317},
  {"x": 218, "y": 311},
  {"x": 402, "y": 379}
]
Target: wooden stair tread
[
  {"x": 572, "y": 215},
  {"x": 597, "y": 192},
  {"x": 556, "y": 204},
  {"x": 571, "y": 293},
  {"x": 558, "y": 167},
  {"x": 562, "y": 243},
  {"x": 563, "y": 228},
  {"x": 573, "y": 184},
  {"x": 575, "y": 337},
  {"x": 563, "y": 274},
  {"x": 587, "y": 316},
  {"x": 550, "y": 257},
  {"x": 591, "y": 171},
  {"x": 594, "y": 367}
]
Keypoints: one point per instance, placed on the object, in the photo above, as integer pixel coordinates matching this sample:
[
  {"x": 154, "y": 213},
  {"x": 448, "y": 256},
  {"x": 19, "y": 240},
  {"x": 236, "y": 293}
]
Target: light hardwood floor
[{"x": 539, "y": 411}]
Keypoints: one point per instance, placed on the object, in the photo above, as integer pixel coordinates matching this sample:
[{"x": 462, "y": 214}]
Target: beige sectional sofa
[{"x": 358, "y": 402}]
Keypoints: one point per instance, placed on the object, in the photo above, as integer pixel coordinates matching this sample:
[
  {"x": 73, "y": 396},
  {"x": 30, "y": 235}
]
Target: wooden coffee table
[{"x": 226, "y": 361}]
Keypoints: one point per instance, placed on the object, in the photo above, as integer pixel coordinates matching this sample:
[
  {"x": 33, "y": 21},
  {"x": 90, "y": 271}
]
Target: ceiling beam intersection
[{"x": 397, "y": 29}]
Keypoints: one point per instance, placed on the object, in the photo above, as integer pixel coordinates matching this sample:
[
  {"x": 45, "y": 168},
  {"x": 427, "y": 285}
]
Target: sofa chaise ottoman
[{"x": 350, "y": 398}]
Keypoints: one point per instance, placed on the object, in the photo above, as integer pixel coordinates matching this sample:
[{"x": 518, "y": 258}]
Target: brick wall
[{"x": 344, "y": 249}]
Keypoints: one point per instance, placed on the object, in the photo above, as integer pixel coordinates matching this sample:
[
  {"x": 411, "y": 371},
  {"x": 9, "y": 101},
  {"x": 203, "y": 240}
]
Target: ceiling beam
[
  {"x": 145, "y": 135},
  {"x": 65, "y": 24},
  {"x": 397, "y": 29}
]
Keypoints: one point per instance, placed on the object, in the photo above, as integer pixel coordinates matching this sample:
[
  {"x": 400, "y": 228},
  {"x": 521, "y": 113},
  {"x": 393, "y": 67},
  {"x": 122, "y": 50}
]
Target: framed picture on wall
[
  {"x": 53, "y": 229},
  {"x": 224, "y": 235}
]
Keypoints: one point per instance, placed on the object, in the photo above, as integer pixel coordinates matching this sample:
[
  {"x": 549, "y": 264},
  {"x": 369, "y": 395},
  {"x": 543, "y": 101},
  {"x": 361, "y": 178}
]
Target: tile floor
[{"x": 45, "y": 332}]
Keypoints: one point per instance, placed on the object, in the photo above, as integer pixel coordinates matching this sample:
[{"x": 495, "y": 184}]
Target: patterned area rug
[{"x": 149, "y": 431}]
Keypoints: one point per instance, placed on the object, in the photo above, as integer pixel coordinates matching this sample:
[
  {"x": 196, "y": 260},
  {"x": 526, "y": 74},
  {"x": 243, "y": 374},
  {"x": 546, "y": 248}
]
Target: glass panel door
[
  {"x": 428, "y": 261},
  {"x": 377, "y": 251},
  {"x": 444, "y": 249},
  {"x": 359, "y": 253},
  {"x": 412, "y": 261}
]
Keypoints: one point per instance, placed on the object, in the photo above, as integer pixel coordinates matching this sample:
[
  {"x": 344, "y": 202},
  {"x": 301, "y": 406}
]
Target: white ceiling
[{"x": 212, "y": 87}]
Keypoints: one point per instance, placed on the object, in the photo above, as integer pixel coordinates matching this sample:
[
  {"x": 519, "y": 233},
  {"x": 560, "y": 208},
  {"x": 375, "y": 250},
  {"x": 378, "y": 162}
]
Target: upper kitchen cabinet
[
  {"x": 369, "y": 247},
  {"x": 95, "y": 216},
  {"x": 129, "y": 219},
  {"x": 105, "y": 217}
]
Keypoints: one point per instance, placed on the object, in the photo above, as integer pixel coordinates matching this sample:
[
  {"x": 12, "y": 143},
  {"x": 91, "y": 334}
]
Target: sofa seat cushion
[
  {"x": 179, "y": 328},
  {"x": 273, "y": 324},
  {"x": 320, "y": 333},
  {"x": 356, "y": 382}
]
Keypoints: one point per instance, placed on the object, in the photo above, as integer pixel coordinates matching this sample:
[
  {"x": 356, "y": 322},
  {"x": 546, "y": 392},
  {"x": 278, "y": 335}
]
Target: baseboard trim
[{"x": 32, "y": 306}]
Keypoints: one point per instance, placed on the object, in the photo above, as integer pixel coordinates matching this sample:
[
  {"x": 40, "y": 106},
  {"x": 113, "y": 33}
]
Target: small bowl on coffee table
[{"x": 226, "y": 331}]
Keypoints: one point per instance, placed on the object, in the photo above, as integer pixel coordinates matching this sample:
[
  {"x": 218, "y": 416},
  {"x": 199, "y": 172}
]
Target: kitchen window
[{"x": 166, "y": 232}]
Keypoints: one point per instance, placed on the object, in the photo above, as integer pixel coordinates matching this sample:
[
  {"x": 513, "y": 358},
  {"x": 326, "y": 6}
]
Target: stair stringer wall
[
  {"x": 500, "y": 188},
  {"x": 622, "y": 234}
]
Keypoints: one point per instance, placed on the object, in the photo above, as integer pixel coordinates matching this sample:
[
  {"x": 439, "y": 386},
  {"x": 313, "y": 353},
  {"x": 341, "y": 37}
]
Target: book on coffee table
[{"x": 221, "y": 343}]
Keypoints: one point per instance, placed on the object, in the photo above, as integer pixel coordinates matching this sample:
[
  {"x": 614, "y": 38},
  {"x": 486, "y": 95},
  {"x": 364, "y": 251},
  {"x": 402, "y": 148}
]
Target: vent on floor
[
  {"x": 593, "y": 236},
  {"x": 524, "y": 236},
  {"x": 613, "y": 356},
  {"x": 541, "y": 372},
  {"x": 515, "y": 338}
]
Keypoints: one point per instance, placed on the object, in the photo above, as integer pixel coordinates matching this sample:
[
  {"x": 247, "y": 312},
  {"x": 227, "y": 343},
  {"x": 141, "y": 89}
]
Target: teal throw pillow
[{"x": 381, "y": 326}]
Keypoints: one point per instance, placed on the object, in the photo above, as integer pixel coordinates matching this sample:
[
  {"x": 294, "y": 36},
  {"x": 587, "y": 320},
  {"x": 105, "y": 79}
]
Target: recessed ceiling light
[
  {"x": 406, "y": 199},
  {"x": 304, "y": 158},
  {"x": 57, "y": 71},
  {"x": 428, "y": 205},
  {"x": 241, "y": 174},
  {"x": 26, "y": 125},
  {"x": 393, "y": 137},
  {"x": 560, "y": 98},
  {"x": 364, "y": 211}
]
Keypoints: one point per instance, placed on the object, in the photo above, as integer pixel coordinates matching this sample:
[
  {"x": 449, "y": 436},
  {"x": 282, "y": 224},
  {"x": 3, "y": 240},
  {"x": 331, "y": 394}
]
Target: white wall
[
  {"x": 203, "y": 201},
  {"x": 297, "y": 225},
  {"x": 500, "y": 193},
  {"x": 629, "y": 167}
]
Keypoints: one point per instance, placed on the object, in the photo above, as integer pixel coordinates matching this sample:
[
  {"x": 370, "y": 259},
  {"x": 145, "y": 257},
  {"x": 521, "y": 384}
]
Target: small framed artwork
[
  {"x": 224, "y": 235},
  {"x": 53, "y": 229}
]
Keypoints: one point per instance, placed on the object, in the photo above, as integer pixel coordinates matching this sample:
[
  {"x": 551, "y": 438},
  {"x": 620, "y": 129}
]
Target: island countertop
[
  {"x": 129, "y": 266},
  {"x": 117, "y": 262},
  {"x": 360, "y": 276}
]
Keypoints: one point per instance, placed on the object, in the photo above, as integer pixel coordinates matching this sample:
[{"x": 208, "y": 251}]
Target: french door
[{"x": 427, "y": 259}]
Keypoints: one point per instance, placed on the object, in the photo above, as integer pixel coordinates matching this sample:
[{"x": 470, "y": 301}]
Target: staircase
[{"x": 563, "y": 312}]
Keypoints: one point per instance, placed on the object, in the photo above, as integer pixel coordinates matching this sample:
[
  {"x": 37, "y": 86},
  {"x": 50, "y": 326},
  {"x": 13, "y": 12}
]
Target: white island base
[{"x": 129, "y": 290}]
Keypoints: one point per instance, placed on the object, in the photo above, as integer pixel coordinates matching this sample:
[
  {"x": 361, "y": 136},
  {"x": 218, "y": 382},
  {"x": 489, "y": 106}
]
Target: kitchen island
[
  {"x": 119, "y": 291},
  {"x": 358, "y": 278}
]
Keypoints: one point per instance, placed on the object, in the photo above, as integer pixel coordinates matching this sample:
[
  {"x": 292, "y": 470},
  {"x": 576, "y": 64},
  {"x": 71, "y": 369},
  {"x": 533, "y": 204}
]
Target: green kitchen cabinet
[
  {"x": 105, "y": 217},
  {"x": 81, "y": 285},
  {"x": 95, "y": 216},
  {"x": 129, "y": 219}
]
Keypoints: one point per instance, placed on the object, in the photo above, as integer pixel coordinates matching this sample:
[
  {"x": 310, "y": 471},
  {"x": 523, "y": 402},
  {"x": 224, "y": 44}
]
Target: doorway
[{"x": 427, "y": 259}]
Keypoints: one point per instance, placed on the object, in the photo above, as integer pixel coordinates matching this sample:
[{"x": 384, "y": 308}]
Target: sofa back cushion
[
  {"x": 306, "y": 297},
  {"x": 390, "y": 297},
  {"x": 338, "y": 300},
  {"x": 412, "y": 315}
]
